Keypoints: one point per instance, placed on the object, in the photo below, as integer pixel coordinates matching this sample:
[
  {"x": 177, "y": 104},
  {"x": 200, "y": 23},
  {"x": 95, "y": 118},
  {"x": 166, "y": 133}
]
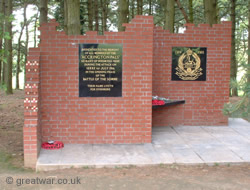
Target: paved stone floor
[{"x": 180, "y": 145}]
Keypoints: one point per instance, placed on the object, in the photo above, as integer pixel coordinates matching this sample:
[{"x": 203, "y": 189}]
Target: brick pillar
[{"x": 31, "y": 130}]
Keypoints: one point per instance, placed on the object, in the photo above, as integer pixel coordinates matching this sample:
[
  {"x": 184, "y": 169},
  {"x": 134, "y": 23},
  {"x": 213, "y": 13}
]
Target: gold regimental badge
[{"x": 189, "y": 66}]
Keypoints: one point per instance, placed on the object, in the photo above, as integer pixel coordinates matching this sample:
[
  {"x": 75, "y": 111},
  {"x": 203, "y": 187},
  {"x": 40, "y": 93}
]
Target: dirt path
[
  {"x": 236, "y": 177},
  {"x": 11, "y": 126},
  {"x": 152, "y": 178}
]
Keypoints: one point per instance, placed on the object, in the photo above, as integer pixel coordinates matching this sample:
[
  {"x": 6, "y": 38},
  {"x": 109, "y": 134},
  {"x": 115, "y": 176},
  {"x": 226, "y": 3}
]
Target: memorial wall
[
  {"x": 97, "y": 89},
  {"x": 89, "y": 85},
  {"x": 195, "y": 67}
]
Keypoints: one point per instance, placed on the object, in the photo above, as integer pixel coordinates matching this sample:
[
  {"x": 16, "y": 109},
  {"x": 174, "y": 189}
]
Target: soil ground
[
  {"x": 151, "y": 177},
  {"x": 11, "y": 126},
  {"x": 164, "y": 177}
]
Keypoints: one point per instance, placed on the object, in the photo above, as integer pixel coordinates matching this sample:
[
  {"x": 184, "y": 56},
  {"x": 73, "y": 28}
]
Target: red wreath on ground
[
  {"x": 158, "y": 102},
  {"x": 55, "y": 145}
]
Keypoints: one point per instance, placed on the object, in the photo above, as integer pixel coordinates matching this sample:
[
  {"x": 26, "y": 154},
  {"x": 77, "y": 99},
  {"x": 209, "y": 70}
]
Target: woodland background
[{"x": 20, "y": 19}]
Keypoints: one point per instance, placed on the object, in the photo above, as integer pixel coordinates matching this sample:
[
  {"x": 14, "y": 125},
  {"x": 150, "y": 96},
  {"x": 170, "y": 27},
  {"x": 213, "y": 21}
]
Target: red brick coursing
[
  {"x": 53, "y": 109},
  {"x": 204, "y": 99},
  {"x": 32, "y": 115},
  {"x": 58, "y": 113},
  {"x": 71, "y": 119}
]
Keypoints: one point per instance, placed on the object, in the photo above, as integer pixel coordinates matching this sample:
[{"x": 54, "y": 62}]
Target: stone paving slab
[
  {"x": 186, "y": 156},
  {"x": 180, "y": 145}
]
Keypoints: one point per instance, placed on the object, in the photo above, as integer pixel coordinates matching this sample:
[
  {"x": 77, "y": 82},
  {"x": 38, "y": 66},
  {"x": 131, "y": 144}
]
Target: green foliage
[
  {"x": 240, "y": 108},
  {"x": 6, "y": 164},
  {"x": 3, "y": 87},
  {"x": 5, "y": 161},
  {"x": 216, "y": 164},
  {"x": 4, "y": 35},
  {"x": 4, "y": 157}
]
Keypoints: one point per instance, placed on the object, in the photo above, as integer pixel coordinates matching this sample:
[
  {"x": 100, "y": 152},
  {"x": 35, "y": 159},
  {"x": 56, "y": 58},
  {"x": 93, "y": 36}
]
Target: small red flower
[
  {"x": 55, "y": 145},
  {"x": 158, "y": 102}
]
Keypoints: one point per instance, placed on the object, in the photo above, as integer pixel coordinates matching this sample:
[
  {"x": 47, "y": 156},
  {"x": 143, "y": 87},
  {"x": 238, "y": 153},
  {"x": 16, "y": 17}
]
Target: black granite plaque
[
  {"x": 100, "y": 70},
  {"x": 189, "y": 63}
]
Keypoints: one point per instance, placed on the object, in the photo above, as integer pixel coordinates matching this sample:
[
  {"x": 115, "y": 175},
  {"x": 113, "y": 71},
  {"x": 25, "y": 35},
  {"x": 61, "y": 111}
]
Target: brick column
[{"x": 31, "y": 130}]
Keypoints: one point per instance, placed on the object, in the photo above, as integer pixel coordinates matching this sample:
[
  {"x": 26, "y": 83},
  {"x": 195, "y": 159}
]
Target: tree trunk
[
  {"x": 8, "y": 48},
  {"x": 248, "y": 69},
  {"x": 96, "y": 9},
  {"x": 72, "y": 17},
  {"x": 169, "y": 15},
  {"x": 139, "y": 7},
  {"x": 3, "y": 71},
  {"x": 18, "y": 57},
  {"x": 104, "y": 4},
  {"x": 191, "y": 12},
  {"x": 150, "y": 7},
  {"x": 43, "y": 8},
  {"x": 90, "y": 15},
  {"x": 123, "y": 14},
  {"x": 2, "y": 6},
  {"x": 35, "y": 28},
  {"x": 210, "y": 7},
  {"x": 19, "y": 47},
  {"x": 182, "y": 10},
  {"x": 102, "y": 18},
  {"x": 65, "y": 7},
  {"x": 26, "y": 42},
  {"x": 105, "y": 15},
  {"x": 1, "y": 40},
  {"x": 133, "y": 9},
  {"x": 1, "y": 43},
  {"x": 233, "y": 71}
]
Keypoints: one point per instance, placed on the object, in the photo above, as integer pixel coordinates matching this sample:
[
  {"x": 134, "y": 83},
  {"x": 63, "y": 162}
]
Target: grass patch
[
  {"x": 4, "y": 158},
  {"x": 6, "y": 165},
  {"x": 216, "y": 164}
]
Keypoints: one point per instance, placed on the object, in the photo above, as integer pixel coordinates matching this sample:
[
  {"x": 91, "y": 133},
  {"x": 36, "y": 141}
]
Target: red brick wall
[
  {"x": 71, "y": 119},
  {"x": 53, "y": 109},
  {"x": 204, "y": 99},
  {"x": 32, "y": 119}
]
